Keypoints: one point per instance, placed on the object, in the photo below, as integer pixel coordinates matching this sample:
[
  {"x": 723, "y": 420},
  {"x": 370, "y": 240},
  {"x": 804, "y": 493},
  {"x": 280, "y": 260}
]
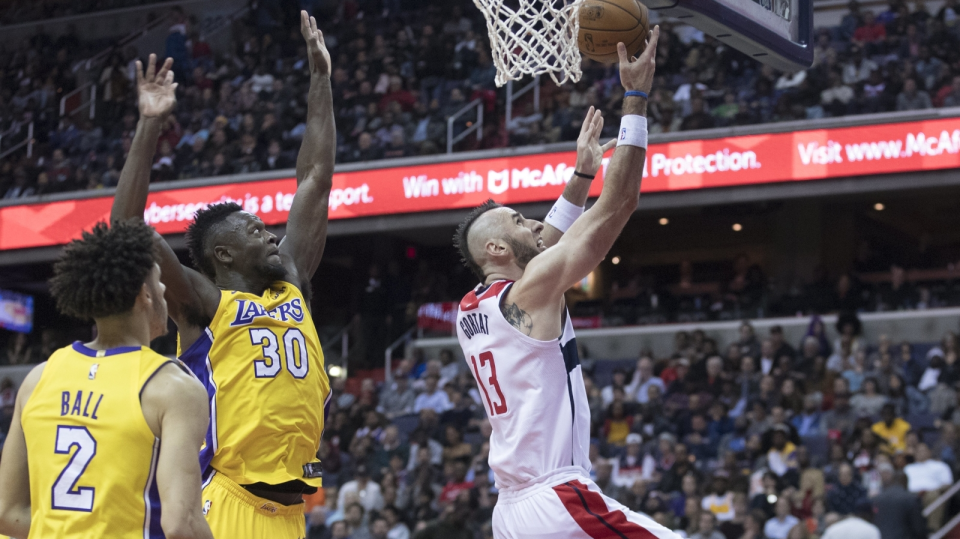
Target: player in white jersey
[{"x": 518, "y": 341}]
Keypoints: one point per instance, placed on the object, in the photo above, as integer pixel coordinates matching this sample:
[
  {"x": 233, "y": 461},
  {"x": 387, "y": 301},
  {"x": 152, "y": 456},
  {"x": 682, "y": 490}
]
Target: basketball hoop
[{"x": 538, "y": 37}]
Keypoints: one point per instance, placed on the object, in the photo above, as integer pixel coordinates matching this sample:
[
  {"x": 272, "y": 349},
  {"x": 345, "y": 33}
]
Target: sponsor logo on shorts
[
  {"x": 268, "y": 507},
  {"x": 206, "y": 507}
]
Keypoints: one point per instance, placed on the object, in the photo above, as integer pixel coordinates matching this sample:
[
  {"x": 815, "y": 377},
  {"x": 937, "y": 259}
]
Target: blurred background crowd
[{"x": 400, "y": 70}]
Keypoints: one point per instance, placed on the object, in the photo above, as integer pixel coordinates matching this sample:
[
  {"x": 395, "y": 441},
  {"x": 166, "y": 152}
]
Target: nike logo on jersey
[{"x": 248, "y": 311}]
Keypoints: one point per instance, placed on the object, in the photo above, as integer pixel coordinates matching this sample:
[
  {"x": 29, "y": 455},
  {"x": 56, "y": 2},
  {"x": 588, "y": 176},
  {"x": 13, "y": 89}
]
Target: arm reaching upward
[
  {"x": 190, "y": 297},
  {"x": 589, "y": 157},
  {"x": 307, "y": 224},
  {"x": 538, "y": 295},
  {"x": 156, "y": 97}
]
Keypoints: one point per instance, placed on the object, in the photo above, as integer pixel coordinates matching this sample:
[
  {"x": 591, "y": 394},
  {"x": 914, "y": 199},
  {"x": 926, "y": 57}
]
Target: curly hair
[
  {"x": 101, "y": 274},
  {"x": 461, "y": 242},
  {"x": 198, "y": 233}
]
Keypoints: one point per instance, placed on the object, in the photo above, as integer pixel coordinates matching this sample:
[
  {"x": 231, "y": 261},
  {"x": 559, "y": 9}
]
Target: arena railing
[
  {"x": 922, "y": 326},
  {"x": 513, "y": 96},
  {"x": 476, "y": 104},
  {"x": 28, "y": 141}
]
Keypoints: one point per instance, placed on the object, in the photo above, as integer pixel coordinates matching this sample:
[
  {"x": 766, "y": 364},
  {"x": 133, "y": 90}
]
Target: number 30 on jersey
[{"x": 295, "y": 354}]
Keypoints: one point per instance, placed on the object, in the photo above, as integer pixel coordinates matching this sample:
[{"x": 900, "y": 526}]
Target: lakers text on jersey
[
  {"x": 261, "y": 362},
  {"x": 92, "y": 456}
]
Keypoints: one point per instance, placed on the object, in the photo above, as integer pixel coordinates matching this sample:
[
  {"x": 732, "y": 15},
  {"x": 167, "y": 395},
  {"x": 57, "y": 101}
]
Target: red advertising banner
[
  {"x": 438, "y": 317},
  {"x": 675, "y": 166}
]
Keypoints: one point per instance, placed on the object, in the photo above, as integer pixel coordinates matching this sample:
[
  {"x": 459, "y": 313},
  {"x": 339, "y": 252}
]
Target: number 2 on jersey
[
  {"x": 66, "y": 494},
  {"x": 294, "y": 348},
  {"x": 487, "y": 357}
]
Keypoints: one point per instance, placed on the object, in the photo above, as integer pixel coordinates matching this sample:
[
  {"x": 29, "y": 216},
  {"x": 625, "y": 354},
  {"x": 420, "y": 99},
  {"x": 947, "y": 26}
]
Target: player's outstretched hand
[
  {"x": 589, "y": 151},
  {"x": 637, "y": 73},
  {"x": 317, "y": 53},
  {"x": 156, "y": 91}
]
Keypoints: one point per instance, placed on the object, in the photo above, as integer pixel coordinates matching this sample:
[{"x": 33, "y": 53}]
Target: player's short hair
[
  {"x": 101, "y": 274},
  {"x": 461, "y": 242},
  {"x": 199, "y": 231}
]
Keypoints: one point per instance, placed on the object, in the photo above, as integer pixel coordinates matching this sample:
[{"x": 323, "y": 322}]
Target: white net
[{"x": 533, "y": 37}]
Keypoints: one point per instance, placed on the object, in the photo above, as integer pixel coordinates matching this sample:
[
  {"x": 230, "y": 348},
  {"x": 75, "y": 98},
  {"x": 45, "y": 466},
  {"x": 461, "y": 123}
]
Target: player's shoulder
[
  {"x": 482, "y": 293},
  {"x": 30, "y": 383},
  {"x": 173, "y": 381}
]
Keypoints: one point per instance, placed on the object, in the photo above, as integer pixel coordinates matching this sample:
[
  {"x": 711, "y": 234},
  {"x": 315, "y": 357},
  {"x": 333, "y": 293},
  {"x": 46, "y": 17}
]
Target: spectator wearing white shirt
[
  {"x": 720, "y": 501},
  {"x": 707, "y": 528},
  {"x": 367, "y": 491},
  {"x": 432, "y": 397},
  {"x": 607, "y": 393},
  {"x": 643, "y": 378},
  {"x": 766, "y": 356},
  {"x": 780, "y": 525},
  {"x": 929, "y": 477},
  {"x": 858, "y": 69},
  {"x": 856, "y": 526}
]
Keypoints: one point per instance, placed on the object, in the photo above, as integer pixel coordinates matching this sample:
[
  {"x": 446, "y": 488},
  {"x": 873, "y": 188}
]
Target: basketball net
[{"x": 539, "y": 37}]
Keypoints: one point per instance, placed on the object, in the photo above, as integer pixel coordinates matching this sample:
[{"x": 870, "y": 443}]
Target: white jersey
[{"x": 532, "y": 390}]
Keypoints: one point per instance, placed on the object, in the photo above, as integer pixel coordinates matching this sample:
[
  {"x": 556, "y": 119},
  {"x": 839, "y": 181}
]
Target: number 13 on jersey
[{"x": 486, "y": 363}]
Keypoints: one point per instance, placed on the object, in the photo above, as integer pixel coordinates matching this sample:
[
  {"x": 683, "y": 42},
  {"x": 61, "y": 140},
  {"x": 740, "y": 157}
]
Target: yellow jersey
[
  {"x": 91, "y": 455},
  {"x": 261, "y": 362}
]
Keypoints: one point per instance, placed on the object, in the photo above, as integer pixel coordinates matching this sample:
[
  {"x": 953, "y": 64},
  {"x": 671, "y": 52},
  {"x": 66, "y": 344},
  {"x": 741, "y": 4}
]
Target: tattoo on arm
[{"x": 517, "y": 317}]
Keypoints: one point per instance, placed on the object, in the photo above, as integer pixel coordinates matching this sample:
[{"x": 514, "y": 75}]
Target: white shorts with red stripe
[{"x": 568, "y": 505}]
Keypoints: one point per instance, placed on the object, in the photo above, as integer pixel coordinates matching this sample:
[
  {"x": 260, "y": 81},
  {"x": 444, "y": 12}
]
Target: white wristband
[
  {"x": 633, "y": 131},
  {"x": 563, "y": 214}
]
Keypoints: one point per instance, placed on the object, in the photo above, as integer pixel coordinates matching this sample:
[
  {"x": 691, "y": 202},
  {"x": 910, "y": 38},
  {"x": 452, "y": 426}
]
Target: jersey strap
[{"x": 472, "y": 300}]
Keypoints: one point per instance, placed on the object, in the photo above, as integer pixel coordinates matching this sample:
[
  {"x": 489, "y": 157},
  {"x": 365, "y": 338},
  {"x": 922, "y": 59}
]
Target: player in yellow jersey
[
  {"x": 244, "y": 322},
  {"x": 105, "y": 434}
]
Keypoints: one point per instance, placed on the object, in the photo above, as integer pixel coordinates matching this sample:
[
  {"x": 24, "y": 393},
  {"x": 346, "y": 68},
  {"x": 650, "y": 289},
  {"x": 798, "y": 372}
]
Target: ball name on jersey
[
  {"x": 474, "y": 323},
  {"x": 80, "y": 404}
]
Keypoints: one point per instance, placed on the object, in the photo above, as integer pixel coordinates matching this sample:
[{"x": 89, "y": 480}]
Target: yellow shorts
[{"x": 233, "y": 513}]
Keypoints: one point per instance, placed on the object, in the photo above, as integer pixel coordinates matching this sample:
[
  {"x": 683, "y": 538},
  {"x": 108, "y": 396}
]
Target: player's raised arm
[
  {"x": 589, "y": 157},
  {"x": 190, "y": 297},
  {"x": 307, "y": 224},
  {"x": 589, "y": 239},
  {"x": 170, "y": 402},
  {"x": 14, "y": 472},
  {"x": 156, "y": 96}
]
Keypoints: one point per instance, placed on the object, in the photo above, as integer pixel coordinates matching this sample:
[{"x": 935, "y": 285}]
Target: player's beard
[
  {"x": 522, "y": 252},
  {"x": 271, "y": 273}
]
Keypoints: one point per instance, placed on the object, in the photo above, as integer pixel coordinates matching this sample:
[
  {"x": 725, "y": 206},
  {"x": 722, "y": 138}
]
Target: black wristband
[{"x": 582, "y": 175}]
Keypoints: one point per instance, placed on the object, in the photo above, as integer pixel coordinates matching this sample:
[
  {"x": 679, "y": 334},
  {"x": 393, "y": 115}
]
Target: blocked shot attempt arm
[
  {"x": 307, "y": 225},
  {"x": 190, "y": 296},
  {"x": 587, "y": 242}
]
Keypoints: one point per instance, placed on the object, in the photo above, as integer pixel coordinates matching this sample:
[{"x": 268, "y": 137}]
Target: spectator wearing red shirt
[
  {"x": 399, "y": 94},
  {"x": 456, "y": 472},
  {"x": 870, "y": 34}
]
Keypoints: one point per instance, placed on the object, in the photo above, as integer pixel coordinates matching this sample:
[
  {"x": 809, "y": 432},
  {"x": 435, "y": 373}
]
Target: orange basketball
[{"x": 604, "y": 23}]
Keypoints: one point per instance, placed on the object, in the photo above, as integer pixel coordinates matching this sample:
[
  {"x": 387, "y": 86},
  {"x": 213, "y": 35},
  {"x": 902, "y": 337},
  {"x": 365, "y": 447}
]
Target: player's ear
[
  {"x": 223, "y": 254},
  {"x": 145, "y": 296},
  {"x": 495, "y": 248}
]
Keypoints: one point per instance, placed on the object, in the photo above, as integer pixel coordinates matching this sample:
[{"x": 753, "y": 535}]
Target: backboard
[{"x": 775, "y": 32}]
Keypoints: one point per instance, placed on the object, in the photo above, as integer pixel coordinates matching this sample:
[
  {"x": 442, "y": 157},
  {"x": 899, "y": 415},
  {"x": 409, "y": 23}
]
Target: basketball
[{"x": 604, "y": 23}]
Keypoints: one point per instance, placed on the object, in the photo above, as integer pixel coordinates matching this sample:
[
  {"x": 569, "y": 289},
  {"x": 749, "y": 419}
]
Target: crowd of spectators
[
  {"x": 757, "y": 439},
  {"x": 23, "y": 11},
  {"x": 400, "y": 70}
]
